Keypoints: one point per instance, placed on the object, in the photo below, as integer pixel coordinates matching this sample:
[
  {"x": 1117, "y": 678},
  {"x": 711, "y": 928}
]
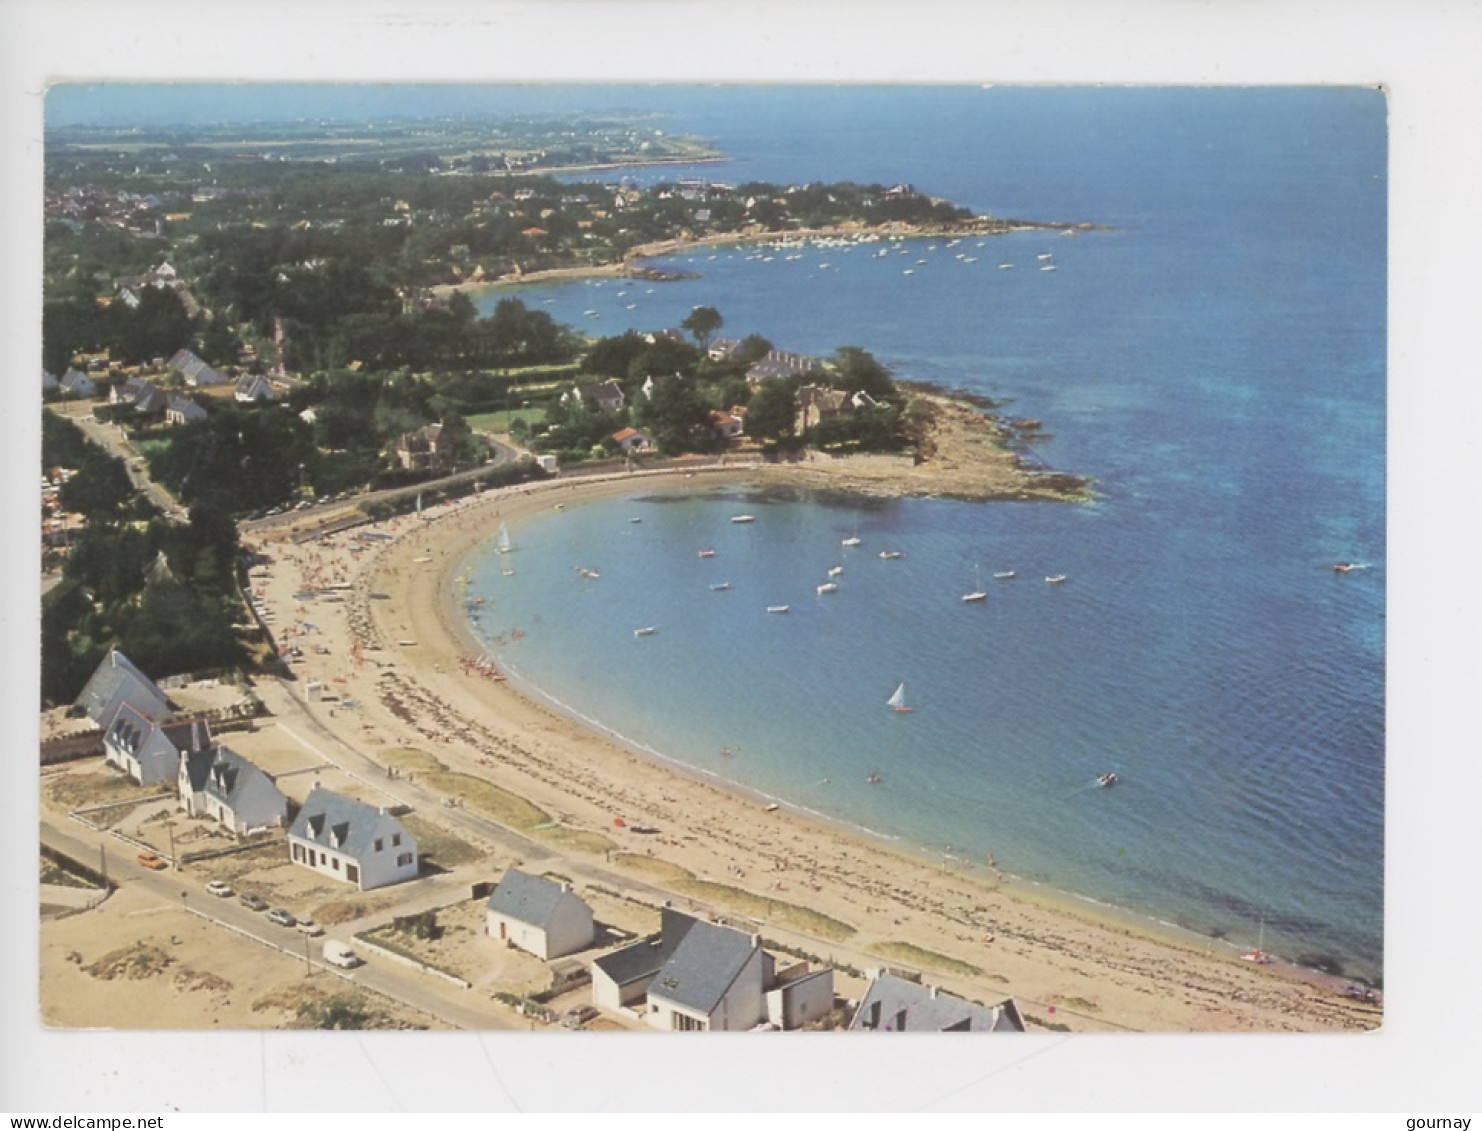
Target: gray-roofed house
[
  {"x": 76, "y": 383},
  {"x": 538, "y": 915},
  {"x": 219, "y": 783},
  {"x": 893, "y": 1004},
  {"x": 603, "y": 396},
  {"x": 49, "y": 382},
  {"x": 251, "y": 388},
  {"x": 714, "y": 981},
  {"x": 183, "y": 410},
  {"x": 117, "y": 681},
  {"x": 193, "y": 371},
  {"x": 147, "y": 750},
  {"x": 351, "y": 841}
]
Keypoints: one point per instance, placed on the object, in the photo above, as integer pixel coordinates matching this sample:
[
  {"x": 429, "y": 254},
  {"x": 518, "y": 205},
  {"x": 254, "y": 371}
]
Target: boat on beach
[{"x": 897, "y": 701}]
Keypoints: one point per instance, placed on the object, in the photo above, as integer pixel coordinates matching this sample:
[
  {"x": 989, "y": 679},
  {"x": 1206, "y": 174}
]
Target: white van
[{"x": 341, "y": 954}]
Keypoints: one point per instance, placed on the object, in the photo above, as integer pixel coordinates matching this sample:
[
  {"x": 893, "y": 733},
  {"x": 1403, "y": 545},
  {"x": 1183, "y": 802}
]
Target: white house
[
  {"x": 631, "y": 440},
  {"x": 893, "y": 1004},
  {"x": 351, "y": 841},
  {"x": 695, "y": 976},
  {"x": 251, "y": 388},
  {"x": 606, "y": 396},
  {"x": 150, "y": 751},
  {"x": 540, "y": 916},
  {"x": 117, "y": 681},
  {"x": 713, "y": 981},
  {"x": 193, "y": 371},
  {"x": 219, "y": 783}
]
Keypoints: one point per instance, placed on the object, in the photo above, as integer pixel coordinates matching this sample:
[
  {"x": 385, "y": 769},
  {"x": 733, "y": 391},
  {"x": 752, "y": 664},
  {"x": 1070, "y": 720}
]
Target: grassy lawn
[
  {"x": 912, "y": 955},
  {"x": 743, "y": 902},
  {"x": 499, "y": 805},
  {"x": 500, "y": 421},
  {"x": 438, "y": 845}
]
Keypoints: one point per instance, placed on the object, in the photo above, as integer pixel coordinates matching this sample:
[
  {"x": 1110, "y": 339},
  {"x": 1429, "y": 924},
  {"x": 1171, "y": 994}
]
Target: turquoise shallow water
[{"x": 1215, "y": 362}]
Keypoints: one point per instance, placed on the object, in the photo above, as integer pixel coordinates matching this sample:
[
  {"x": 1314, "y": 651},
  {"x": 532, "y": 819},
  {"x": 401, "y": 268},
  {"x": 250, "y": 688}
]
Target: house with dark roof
[
  {"x": 219, "y": 783},
  {"x": 692, "y": 975},
  {"x": 893, "y": 1004},
  {"x": 252, "y": 388},
  {"x": 539, "y": 915},
  {"x": 76, "y": 383},
  {"x": 351, "y": 841},
  {"x": 182, "y": 410},
  {"x": 604, "y": 396},
  {"x": 428, "y": 447},
  {"x": 117, "y": 681},
  {"x": 193, "y": 371},
  {"x": 150, "y": 751},
  {"x": 49, "y": 382}
]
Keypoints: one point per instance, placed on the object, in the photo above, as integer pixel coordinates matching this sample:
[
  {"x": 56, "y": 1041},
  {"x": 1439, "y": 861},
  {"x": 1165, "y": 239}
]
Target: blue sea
[{"x": 1214, "y": 359}]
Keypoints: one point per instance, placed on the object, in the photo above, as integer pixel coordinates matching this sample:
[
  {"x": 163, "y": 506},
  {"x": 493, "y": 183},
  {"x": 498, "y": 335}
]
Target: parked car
[
  {"x": 254, "y": 902},
  {"x": 577, "y": 1016},
  {"x": 310, "y": 928},
  {"x": 282, "y": 917},
  {"x": 220, "y": 888},
  {"x": 341, "y": 954},
  {"x": 153, "y": 861}
]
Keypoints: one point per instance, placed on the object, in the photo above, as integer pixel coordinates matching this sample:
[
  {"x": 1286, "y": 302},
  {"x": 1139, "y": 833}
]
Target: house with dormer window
[
  {"x": 350, "y": 841},
  {"x": 147, "y": 750},
  {"x": 220, "y": 784}
]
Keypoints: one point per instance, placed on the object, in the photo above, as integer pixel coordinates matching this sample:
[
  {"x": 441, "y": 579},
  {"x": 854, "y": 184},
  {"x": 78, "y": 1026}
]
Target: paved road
[{"x": 464, "y": 1009}]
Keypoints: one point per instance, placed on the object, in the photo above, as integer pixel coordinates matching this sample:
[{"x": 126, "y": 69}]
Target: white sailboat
[
  {"x": 897, "y": 701},
  {"x": 501, "y": 540},
  {"x": 853, "y": 540},
  {"x": 977, "y": 594}
]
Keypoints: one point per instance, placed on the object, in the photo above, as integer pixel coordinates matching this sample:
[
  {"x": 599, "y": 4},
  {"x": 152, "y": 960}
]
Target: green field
[{"x": 500, "y": 421}]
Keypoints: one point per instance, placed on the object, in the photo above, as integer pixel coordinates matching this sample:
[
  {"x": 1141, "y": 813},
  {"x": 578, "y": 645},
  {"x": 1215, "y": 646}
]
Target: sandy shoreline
[
  {"x": 632, "y": 261},
  {"x": 1068, "y": 961}
]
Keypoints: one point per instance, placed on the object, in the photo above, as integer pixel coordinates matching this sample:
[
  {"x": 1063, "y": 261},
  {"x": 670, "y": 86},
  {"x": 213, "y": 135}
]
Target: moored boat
[
  {"x": 743, "y": 518},
  {"x": 827, "y": 587},
  {"x": 779, "y": 608},
  {"x": 649, "y": 630}
]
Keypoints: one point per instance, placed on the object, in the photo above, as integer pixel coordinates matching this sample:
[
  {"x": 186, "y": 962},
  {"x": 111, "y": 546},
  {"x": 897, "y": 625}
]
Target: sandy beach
[{"x": 820, "y": 889}]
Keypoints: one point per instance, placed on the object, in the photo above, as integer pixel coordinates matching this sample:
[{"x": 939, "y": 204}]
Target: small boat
[
  {"x": 648, "y": 631},
  {"x": 1107, "y": 779},
  {"x": 1343, "y": 567},
  {"x": 589, "y": 574},
  {"x": 1005, "y": 266},
  {"x": 1004, "y": 575},
  {"x": 1048, "y": 267},
  {"x": 873, "y": 779},
  {"x": 835, "y": 571},
  {"x": 743, "y": 518},
  {"x": 779, "y": 608},
  {"x": 501, "y": 540},
  {"x": 897, "y": 701},
  {"x": 720, "y": 586},
  {"x": 850, "y": 541},
  {"x": 977, "y": 595},
  {"x": 827, "y": 587},
  {"x": 635, "y": 520},
  {"x": 707, "y": 553},
  {"x": 1055, "y": 579},
  {"x": 1046, "y": 255},
  {"x": 891, "y": 555}
]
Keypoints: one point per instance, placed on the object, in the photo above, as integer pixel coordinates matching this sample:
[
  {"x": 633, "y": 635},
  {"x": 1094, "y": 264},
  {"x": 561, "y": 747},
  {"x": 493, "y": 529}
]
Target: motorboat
[
  {"x": 850, "y": 541},
  {"x": 1055, "y": 579},
  {"x": 1107, "y": 779},
  {"x": 827, "y": 587},
  {"x": 647, "y": 631},
  {"x": 743, "y": 518},
  {"x": 1004, "y": 575}
]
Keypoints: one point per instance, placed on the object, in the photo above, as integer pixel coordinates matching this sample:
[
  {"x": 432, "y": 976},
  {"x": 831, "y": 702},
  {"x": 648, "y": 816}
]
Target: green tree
[
  {"x": 771, "y": 412},
  {"x": 677, "y": 417},
  {"x": 702, "y": 323},
  {"x": 857, "y": 370}
]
